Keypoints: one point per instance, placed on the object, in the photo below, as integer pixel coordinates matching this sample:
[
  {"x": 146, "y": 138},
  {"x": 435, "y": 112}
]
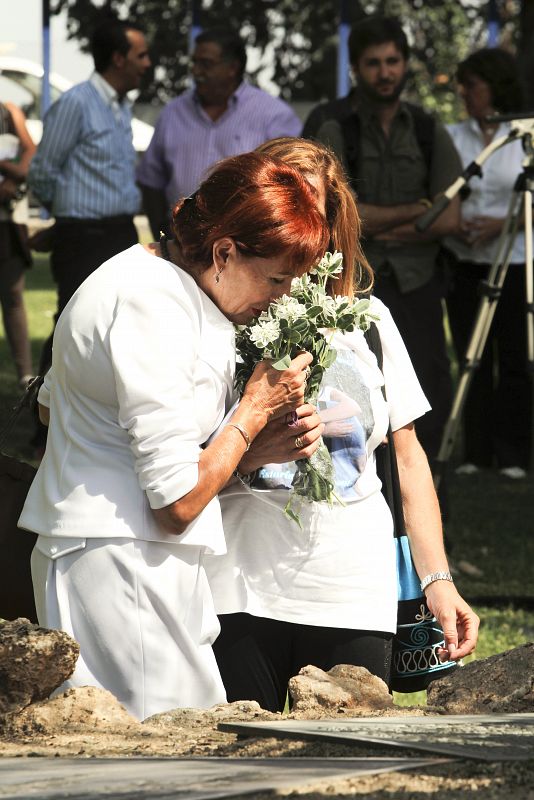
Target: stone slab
[
  {"x": 179, "y": 779},
  {"x": 494, "y": 737}
]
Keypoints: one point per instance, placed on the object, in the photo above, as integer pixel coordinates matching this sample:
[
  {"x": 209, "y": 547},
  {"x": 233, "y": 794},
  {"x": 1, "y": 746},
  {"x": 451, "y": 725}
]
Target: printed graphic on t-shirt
[{"x": 344, "y": 406}]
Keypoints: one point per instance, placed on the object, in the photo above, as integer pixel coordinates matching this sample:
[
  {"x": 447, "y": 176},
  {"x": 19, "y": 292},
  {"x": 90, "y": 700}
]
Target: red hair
[{"x": 266, "y": 206}]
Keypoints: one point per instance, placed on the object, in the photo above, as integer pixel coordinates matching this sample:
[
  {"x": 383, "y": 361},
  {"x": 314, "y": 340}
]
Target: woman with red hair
[{"x": 125, "y": 500}]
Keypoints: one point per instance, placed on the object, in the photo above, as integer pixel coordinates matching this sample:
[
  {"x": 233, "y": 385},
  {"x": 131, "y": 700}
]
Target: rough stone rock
[
  {"x": 343, "y": 687},
  {"x": 86, "y": 708},
  {"x": 33, "y": 662},
  {"x": 239, "y": 711},
  {"x": 503, "y": 683}
]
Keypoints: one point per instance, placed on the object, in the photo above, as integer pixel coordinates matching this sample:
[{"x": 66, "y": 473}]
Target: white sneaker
[
  {"x": 467, "y": 469},
  {"x": 515, "y": 473}
]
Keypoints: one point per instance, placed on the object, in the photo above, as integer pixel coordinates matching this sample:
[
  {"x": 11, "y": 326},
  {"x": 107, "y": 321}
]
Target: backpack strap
[
  {"x": 386, "y": 458},
  {"x": 424, "y": 128},
  {"x": 350, "y": 128}
]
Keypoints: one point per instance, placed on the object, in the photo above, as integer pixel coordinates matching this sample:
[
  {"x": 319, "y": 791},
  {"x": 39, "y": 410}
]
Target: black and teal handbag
[{"x": 419, "y": 635}]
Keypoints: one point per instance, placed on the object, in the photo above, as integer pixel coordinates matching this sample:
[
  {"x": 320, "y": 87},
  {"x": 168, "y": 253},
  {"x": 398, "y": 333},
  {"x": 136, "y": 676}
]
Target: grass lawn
[{"x": 491, "y": 519}]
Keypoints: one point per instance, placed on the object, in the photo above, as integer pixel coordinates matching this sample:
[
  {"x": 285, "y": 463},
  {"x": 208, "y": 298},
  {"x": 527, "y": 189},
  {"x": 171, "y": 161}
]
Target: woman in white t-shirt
[
  {"x": 327, "y": 594},
  {"x": 497, "y": 415}
]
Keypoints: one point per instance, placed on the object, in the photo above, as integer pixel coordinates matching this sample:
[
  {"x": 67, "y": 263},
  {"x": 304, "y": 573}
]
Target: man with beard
[
  {"x": 221, "y": 116},
  {"x": 399, "y": 159}
]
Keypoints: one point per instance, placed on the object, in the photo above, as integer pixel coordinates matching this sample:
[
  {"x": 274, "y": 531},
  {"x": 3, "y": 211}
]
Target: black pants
[
  {"x": 498, "y": 407},
  {"x": 419, "y": 318},
  {"x": 80, "y": 246},
  {"x": 14, "y": 261},
  {"x": 258, "y": 656}
]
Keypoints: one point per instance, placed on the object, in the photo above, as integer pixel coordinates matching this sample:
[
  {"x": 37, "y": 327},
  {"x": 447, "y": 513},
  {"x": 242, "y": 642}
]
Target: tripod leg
[
  {"x": 529, "y": 290},
  {"x": 480, "y": 333}
]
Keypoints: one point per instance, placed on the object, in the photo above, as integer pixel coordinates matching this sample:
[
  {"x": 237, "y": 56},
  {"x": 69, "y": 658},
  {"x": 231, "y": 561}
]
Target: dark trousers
[
  {"x": 80, "y": 246},
  {"x": 14, "y": 260},
  {"x": 258, "y": 656},
  {"x": 419, "y": 318},
  {"x": 498, "y": 408}
]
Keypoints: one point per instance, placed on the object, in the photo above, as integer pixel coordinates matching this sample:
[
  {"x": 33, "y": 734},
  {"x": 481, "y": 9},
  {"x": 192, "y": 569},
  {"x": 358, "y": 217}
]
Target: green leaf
[
  {"x": 283, "y": 363},
  {"x": 294, "y": 336},
  {"x": 288, "y": 511}
]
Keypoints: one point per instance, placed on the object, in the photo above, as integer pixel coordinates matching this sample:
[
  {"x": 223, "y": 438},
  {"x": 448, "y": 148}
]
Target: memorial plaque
[
  {"x": 179, "y": 779},
  {"x": 493, "y": 737}
]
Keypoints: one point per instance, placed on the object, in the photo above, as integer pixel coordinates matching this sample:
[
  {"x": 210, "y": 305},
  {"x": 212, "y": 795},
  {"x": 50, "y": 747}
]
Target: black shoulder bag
[
  {"x": 415, "y": 662},
  {"x": 16, "y": 589}
]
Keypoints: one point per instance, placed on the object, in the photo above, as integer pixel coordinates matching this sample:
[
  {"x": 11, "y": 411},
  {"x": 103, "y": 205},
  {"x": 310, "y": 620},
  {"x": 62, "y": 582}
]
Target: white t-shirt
[
  {"x": 339, "y": 570},
  {"x": 142, "y": 374}
]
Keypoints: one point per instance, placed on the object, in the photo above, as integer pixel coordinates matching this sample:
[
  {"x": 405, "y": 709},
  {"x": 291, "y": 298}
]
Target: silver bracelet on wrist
[{"x": 435, "y": 576}]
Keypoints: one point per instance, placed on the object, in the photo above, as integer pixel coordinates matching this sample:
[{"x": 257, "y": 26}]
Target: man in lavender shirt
[{"x": 221, "y": 116}]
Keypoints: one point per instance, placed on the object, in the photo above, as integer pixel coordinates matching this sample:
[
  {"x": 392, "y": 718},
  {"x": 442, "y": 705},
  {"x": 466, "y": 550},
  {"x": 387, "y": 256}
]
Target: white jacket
[{"x": 142, "y": 374}]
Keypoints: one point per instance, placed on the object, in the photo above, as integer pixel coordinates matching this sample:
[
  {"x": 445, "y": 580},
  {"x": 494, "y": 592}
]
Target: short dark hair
[
  {"x": 108, "y": 38},
  {"x": 498, "y": 68},
  {"x": 231, "y": 44},
  {"x": 376, "y": 30}
]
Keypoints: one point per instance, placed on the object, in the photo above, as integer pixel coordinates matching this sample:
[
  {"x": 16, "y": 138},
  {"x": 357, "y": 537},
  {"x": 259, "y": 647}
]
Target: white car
[{"x": 28, "y": 77}]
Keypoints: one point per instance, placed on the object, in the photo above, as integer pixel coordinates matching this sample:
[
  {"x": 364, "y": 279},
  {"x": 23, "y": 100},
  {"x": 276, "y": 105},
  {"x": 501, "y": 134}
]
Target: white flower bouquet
[{"x": 304, "y": 320}]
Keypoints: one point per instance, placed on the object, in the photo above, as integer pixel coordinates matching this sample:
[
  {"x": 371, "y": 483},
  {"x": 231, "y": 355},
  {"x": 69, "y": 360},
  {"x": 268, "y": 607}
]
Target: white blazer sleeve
[{"x": 153, "y": 344}]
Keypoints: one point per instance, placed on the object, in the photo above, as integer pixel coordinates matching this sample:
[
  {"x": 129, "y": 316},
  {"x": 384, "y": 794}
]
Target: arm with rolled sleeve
[
  {"x": 152, "y": 344},
  {"x": 61, "y": 133}
]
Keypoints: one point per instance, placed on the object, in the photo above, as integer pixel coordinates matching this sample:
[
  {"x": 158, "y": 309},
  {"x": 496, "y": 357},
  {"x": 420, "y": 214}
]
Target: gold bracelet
[{"x": 243, "y": 433}]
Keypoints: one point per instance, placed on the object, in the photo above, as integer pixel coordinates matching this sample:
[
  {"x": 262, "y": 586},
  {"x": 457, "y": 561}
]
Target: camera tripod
[{"x": 520, "y": 207}]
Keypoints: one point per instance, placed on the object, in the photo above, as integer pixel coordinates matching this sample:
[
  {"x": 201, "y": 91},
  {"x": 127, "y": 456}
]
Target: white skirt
[{"x": 142, "y": 613}]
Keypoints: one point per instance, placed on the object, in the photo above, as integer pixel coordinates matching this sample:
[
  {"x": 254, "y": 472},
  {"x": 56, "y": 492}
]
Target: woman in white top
[
  {"x": 125, "y": 500},
  {"x": 498, "y": 408},
  {"x": 327, "y": 594}
]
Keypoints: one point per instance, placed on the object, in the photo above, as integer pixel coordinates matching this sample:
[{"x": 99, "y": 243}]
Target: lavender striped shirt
[{"x": 187, "y": 142}]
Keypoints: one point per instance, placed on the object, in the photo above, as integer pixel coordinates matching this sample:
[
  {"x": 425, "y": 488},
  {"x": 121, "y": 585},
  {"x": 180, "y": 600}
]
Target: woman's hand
[
  {"x": 279, "y": 441},
  {"x": 273, "y": 392},
  {"x": 479, "y": 230},
  {"x": 458, "y": 620},
  {"x": 338, "y": 428}
]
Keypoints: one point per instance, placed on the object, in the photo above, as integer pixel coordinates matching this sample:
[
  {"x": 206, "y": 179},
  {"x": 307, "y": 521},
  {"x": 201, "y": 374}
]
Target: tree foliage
[{"x": 296, "y": 40}]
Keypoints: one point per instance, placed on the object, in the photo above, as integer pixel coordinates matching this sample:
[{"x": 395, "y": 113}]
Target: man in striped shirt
[
  {"x": 84, "y": 169},
  {"x": 221, "y": 116}
]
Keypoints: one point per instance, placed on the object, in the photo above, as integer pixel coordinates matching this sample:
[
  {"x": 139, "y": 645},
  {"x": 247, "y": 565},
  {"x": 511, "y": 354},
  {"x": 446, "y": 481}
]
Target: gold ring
[{"x": 299, "y": 444}]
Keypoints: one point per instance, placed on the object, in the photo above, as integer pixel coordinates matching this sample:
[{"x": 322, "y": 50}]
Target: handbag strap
[
  {"x": 386, "y": 457},
  {"x": 25, "y": 401}
]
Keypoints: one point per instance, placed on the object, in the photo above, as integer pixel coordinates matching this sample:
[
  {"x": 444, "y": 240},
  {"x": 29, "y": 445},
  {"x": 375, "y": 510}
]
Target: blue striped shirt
[
  {"x": 187, "y": 141},
  {"x": 85, "y": 163}
]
